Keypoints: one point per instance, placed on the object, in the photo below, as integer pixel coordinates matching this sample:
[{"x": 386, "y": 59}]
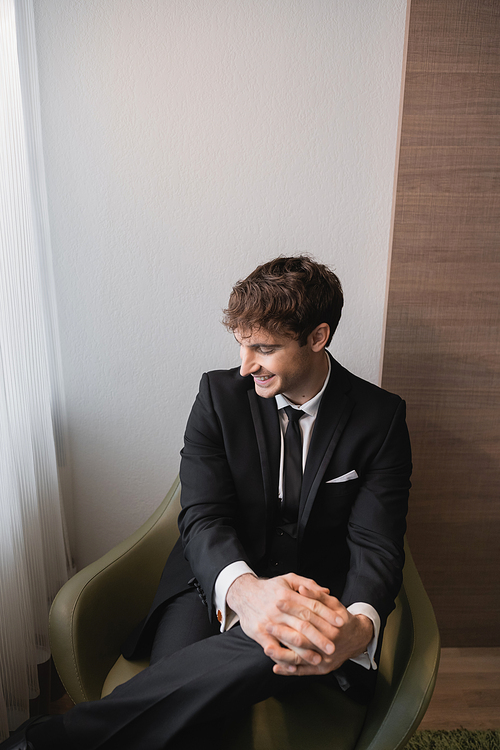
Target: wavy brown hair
[{"x": 286, "y": 296}]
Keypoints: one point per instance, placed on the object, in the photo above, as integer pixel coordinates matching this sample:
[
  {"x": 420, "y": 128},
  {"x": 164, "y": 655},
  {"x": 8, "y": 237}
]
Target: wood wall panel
[{"x": 442, "y": 349}]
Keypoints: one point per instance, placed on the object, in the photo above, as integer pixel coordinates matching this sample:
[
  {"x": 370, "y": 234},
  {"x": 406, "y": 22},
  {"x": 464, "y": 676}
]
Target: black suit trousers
[
  {"x": 197, "y": 675},
  {"x": 197, "y": 678}
]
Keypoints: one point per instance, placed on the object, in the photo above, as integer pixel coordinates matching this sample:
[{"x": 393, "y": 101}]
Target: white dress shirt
[{"x": 229, "y": 574}]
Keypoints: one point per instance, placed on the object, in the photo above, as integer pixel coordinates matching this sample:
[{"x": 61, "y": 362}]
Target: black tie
[{"x": 293, "y": 465}]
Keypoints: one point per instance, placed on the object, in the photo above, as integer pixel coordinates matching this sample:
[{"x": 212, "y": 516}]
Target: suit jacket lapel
[
  {"x": 267, "y": 430},
  {"x": 334, "y": 411}
]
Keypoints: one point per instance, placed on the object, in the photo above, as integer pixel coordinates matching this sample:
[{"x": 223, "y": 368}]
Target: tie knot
[{"x": 293, "y": 414}]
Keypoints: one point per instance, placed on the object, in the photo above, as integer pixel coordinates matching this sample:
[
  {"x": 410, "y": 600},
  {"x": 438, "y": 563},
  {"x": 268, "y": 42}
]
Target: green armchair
[{"x": 95, "y": 611}]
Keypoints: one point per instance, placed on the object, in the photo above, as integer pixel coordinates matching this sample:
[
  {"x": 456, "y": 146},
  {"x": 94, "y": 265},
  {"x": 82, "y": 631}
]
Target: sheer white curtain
[{"x": 34, "y": 558}]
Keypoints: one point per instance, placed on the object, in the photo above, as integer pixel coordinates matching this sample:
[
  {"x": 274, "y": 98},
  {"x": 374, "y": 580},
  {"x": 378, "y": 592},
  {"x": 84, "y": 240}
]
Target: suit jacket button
[{"x": 279, "y": 532}]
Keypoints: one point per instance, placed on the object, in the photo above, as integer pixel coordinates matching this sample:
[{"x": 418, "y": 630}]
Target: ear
[{"x": 317, "y": 339}]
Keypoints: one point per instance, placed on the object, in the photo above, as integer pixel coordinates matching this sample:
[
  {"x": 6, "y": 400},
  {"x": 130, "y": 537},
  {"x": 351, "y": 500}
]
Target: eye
[{"x": 266, "y": 350}]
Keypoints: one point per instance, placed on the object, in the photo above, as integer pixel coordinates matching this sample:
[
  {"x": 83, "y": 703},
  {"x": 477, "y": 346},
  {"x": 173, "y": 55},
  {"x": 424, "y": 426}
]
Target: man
[{"x": 295, "y": 478}]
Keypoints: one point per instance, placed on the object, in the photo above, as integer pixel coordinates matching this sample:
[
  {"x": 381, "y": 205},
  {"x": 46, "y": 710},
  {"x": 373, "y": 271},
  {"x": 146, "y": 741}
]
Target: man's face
[{"x": 278, "y": 365}]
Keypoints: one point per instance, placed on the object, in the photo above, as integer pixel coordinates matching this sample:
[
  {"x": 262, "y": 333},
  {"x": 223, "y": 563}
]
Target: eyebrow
[{"x": 258, "y": 346}]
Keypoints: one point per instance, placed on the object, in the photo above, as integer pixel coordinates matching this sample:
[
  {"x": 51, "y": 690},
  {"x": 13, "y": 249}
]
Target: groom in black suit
[{"x": 295, "y": 478}]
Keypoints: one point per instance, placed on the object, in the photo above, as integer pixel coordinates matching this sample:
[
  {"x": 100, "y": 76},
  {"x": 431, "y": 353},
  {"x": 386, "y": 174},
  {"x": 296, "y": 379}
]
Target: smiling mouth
[{"x": 262, "y": 378}]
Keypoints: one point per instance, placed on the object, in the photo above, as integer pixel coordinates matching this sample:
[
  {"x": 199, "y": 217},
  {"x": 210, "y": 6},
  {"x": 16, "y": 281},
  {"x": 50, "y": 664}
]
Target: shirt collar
[{"x": 310, "y": 407}]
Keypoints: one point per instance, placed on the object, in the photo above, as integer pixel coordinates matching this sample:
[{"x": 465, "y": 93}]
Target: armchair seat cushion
[{"x": 122, "y": 671}]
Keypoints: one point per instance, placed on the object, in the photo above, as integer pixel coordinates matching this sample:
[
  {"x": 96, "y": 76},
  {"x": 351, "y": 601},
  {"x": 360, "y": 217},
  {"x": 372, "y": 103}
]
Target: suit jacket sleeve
[
  {"x": 376, "y": 526},
  {"x": 208, "y": 519}
]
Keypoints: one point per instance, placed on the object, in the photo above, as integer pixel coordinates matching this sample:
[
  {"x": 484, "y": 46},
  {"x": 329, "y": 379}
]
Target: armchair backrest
[{"x": 96, "y": 610}]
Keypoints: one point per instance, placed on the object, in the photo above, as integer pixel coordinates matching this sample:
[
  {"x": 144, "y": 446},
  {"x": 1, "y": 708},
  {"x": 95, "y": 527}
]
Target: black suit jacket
[{"x": 350, "y": 534}]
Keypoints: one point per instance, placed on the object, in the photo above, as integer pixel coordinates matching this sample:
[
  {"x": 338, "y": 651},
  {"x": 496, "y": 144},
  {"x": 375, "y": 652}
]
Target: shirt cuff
[
  {"x": 367, "y": 659},
  {"x": 225, "y": 615}
]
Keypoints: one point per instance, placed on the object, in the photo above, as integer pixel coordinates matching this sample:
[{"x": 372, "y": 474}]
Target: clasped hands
[{"x": 303, "y": 629}]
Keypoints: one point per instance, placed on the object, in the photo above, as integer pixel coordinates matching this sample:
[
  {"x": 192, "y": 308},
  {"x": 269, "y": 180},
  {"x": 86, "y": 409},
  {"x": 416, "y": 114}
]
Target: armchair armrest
[
  {"x": 95, "y": 611},
  {"x": 408, "y": 667}
]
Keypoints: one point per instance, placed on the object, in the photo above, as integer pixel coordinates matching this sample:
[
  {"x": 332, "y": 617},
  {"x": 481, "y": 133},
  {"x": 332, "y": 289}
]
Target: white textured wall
[{"x": 185, "y": 142}]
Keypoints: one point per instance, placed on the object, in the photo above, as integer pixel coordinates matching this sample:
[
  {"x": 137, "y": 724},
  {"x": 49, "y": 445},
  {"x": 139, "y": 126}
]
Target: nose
[{"x": 249, "y": 363}]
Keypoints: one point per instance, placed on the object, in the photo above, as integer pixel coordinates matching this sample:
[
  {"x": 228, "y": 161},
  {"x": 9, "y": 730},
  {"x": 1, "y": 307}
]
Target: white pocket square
[{"x": 345, "y": 477}]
